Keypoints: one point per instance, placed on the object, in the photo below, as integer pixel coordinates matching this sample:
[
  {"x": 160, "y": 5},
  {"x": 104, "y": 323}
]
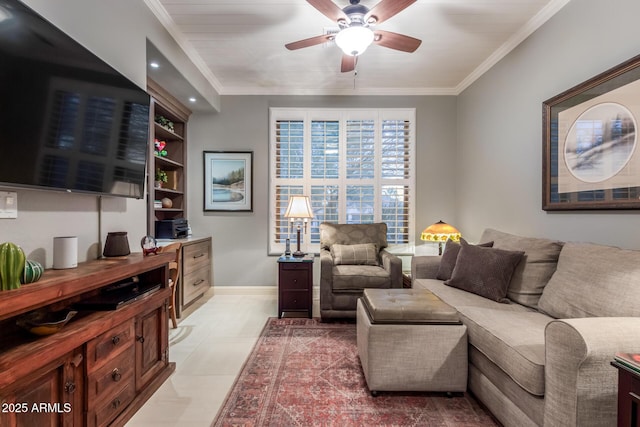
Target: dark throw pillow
[
  {"x": 484, "y": 271},
  {"x": 449, "y": 256}
]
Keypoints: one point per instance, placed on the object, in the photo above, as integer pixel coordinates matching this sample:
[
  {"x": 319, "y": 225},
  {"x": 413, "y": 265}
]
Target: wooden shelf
[
  {"x": 58, "y": 285},
  {"x": 175, "y": 162}
]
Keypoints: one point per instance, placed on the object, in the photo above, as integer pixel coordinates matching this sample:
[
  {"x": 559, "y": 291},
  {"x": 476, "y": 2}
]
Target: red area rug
[{"x": 305, "y": 373}]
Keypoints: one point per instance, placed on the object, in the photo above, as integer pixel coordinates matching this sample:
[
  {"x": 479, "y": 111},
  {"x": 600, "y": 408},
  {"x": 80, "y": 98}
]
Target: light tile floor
[{"x": 209, "y": 347}]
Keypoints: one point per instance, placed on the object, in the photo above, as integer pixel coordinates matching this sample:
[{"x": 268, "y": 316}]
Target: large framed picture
[
  {"x": 228, "y": 181},
  {"x": 591, "y": 158}
]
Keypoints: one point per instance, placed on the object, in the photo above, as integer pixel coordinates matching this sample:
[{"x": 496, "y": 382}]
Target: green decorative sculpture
[
  {"x": 12, "y": 261},
  {"x": 32, "y": 271}
]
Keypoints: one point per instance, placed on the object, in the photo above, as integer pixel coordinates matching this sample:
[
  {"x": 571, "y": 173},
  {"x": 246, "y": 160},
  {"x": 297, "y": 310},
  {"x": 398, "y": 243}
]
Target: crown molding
[
  {"x": 529, "y": 28},
  {"x": 169, "y": 24}
]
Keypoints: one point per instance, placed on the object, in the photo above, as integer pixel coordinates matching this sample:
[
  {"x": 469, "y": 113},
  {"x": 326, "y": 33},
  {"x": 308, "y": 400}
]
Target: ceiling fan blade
[
  {"x": 386, "y": 9},
  {"x": 348, "y": 63},
  {"x": 312, "y": 41},
  {"x": 329, "y": 9},
  {"x": 396, "y": 41}
]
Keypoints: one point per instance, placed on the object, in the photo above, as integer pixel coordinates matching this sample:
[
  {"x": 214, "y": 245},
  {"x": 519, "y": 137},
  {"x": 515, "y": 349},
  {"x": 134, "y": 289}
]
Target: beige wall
[
  {"x": 240, "y": 239},
  {"x": 116, "y": 31},
  {"x": 499, "y": 147}
]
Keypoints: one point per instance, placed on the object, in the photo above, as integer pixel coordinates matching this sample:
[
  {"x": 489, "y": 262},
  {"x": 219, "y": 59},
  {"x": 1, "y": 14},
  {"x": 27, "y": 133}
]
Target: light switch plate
[{"x": 8, "y": 204}]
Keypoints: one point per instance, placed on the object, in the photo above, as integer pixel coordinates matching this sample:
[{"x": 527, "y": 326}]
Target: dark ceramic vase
[{"x": 117, "y": 244}]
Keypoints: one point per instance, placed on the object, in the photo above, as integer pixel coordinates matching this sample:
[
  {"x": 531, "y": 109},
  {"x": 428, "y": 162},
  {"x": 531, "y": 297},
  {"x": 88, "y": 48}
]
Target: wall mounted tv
[{"x": 68, "y": 120}]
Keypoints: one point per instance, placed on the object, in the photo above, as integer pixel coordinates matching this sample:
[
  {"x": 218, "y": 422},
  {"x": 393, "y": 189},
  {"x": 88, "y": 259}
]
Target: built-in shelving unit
[{"x": 173, "y": 163}]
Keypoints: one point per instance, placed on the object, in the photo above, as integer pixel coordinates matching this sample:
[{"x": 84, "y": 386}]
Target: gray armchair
[{"x": 352, "y": 258}]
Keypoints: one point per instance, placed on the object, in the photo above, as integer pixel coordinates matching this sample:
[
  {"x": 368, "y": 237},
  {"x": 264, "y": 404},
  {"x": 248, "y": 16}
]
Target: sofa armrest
[
  {"x": 424, "y": 267},
  {"x": 393, "y": 264},
  {"x": 580, "y": 383}
]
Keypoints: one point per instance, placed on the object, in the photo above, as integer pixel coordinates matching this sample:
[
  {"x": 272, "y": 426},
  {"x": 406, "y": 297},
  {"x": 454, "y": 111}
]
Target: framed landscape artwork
[
  {"x": 228, "y": 181},
  {"x": 591, "y": 158}
]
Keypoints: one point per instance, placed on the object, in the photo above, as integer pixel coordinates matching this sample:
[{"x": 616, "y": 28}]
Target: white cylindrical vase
[{"x": 65, "y": 252}]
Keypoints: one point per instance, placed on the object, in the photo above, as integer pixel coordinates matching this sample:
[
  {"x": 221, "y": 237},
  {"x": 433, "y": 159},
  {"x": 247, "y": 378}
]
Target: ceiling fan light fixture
[{"x": 354, "y": 40}]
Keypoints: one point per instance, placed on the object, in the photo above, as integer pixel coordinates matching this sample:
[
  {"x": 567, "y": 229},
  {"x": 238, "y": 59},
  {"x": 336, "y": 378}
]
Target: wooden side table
[
  {"x": 628, "y": 396},
  {"x": 295, "y": 284}
]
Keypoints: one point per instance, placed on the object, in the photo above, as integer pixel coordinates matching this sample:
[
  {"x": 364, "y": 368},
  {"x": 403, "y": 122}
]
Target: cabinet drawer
[
  {"x": 294, "y": 300},
  {"x": 104, "y": 383},
  {"x": 295, "y": 266},
  {"x": 195, "y": 283},
  {"x": 195, "y": 256},
  {"x": 108, "y": 345},
  {"x": 294, "y": 279},
  {"x": 107, "y": 410}
]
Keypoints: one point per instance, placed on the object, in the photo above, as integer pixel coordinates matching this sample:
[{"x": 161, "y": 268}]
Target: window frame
[{"x": 342, "y": 115}]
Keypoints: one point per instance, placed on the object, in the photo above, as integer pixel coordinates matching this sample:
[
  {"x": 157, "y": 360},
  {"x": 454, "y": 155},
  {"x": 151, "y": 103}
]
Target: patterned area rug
[{"x": 305, "y": 373}]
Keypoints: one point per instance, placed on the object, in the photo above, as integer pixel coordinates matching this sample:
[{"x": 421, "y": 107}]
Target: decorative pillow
[
  {"x": 536, "y": 268},
  {"x": 449, "y": 256},
  {"x": 484, "y": 271},
  {"x": 360, "y": 254},
  {"x": 593, "y": 281}
]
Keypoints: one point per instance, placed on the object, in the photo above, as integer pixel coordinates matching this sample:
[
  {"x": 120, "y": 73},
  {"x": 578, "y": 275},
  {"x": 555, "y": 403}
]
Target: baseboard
[
  {"x": 245, "y": 290},
  {"x": 254, "y": 290}
]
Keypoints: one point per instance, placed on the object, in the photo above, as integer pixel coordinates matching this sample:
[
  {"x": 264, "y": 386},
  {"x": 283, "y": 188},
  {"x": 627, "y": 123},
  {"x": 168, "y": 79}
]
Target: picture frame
[
  {"x": 228, "y": 181},
  {"x": 591, "y": 151}
]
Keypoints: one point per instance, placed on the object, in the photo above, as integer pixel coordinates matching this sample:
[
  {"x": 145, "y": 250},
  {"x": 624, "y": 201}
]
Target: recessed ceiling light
[
  {"x": 192, "y": 99},
  {"x": 154, "y": 65}
]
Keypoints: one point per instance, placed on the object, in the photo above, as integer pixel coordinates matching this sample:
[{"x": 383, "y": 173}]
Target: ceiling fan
[{"x": 356, "y": 33}]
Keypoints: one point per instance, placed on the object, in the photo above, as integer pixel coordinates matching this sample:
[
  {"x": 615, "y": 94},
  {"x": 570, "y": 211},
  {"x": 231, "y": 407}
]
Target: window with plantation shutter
[{"x": 356, "y": 166}]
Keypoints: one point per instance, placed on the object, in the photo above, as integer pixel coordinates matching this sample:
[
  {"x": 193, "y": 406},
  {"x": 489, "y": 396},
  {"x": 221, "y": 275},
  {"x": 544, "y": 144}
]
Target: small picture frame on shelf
[{"x": 228, "y": 181}]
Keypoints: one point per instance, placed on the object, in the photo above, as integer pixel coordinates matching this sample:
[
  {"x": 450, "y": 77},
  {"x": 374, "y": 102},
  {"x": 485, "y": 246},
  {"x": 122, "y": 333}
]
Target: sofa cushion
[
  {"x": 449, "y": 257},
  {"x": 357, "y": 277},
  {"x": 484, "y": 271},
  {"x": 593, "y": 281},
  {"x": 351, "y": 234},
  {"x": 535, "y": 269},
  {"x": 360, "y": 254},
  {"x": 510, "y": 335}
]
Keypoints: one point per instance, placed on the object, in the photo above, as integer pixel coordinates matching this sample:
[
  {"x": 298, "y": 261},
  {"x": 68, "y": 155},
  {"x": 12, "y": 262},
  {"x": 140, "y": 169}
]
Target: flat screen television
[{"x": 68, "y": 120}]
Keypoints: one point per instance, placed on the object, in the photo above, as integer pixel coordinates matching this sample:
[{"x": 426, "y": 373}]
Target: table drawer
[
  {"x": 107, "y": 410},
  {"x": 195, "y": 283},
  {"x": 104, "y": 383},
  {"x": 294, "y": 300},
  {"x": 294, "y": 279},
  {"x": 196, "y": 256},
  {"x": 108, "y": 345}
]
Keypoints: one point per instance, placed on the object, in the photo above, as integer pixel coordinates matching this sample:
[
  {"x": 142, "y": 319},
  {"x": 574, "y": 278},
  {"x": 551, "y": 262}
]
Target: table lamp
[
  {"x": 299, "y": 210},
  {"x": 440, "y": 232}
]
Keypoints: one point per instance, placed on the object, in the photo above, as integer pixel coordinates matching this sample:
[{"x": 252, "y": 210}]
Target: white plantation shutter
[{"x": 356, "y": 165}]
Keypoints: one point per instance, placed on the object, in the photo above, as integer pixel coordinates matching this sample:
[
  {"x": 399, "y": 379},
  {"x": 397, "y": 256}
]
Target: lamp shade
[
  {"x": 440, "y": 232},
  {"x": 299, "y": 207},
  {"x": 354, "y": 40}
]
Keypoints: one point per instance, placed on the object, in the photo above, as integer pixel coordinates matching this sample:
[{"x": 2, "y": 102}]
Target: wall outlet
[{"x": 8, "y": 204}]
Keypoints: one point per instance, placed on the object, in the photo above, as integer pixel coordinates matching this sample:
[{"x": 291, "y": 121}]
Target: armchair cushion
[
  {"x": 360, "y": 254},
  {"x": 358, "y": 277},
  {"x": 484, "y": 271}
]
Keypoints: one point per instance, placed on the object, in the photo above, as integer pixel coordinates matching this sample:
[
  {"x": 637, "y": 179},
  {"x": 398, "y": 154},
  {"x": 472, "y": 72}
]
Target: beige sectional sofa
[{"x": 543, "y": 356}]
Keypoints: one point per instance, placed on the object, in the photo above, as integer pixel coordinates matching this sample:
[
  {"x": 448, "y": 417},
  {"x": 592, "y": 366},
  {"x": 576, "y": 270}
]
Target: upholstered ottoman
[{"x": 410, "y": 340}]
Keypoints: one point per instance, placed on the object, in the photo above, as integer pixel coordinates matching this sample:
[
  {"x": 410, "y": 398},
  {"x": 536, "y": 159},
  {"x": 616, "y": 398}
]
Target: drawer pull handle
[
  {"x": 198, "y": 256},
  {"x": 140, "y": 339},
  {"x": 115, "y": 340},
  {"x": 116, "y": 375},
  {"x": 295, "y": 280},
  {"x": 199, "y": 282},
  {"x": 115, "y": 403},
  {"x": 70, "y": 387}
]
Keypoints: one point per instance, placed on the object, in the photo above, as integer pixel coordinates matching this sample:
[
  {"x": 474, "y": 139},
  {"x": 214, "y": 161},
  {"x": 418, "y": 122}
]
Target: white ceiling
[{"x": 239, "y": 44}]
